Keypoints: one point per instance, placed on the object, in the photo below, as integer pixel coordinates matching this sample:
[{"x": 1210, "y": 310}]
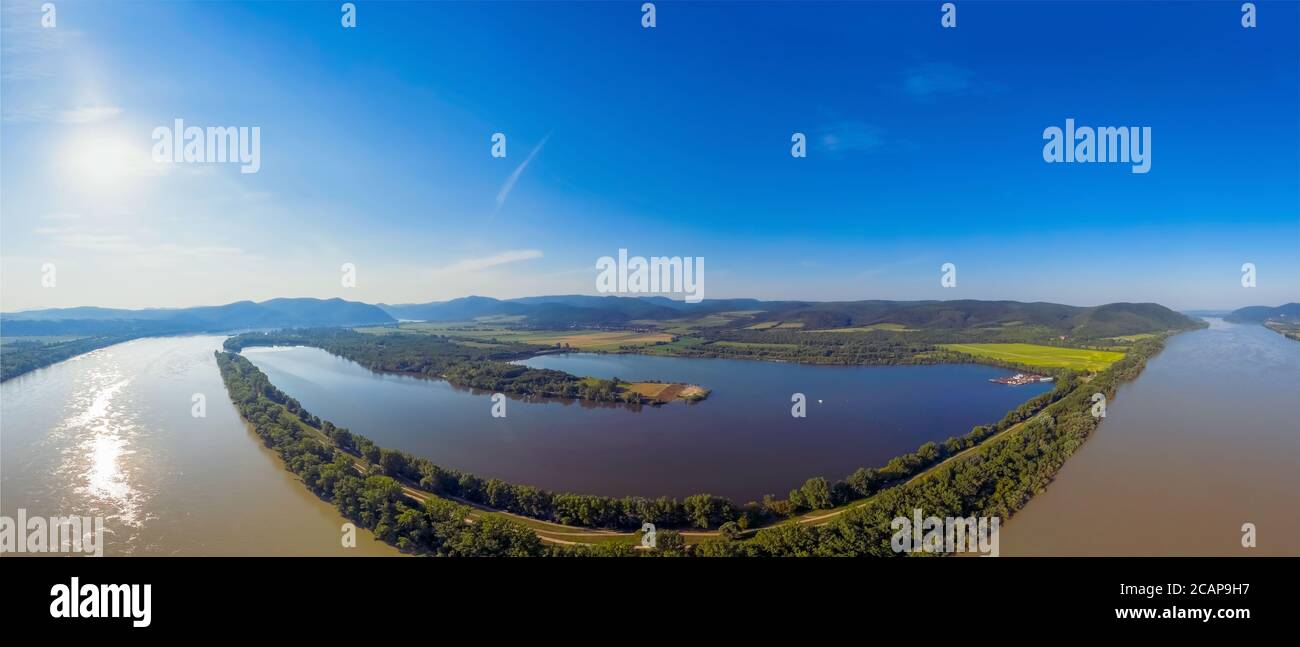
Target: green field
[
  {"x": 890, "y": 327},
  {"x": 1077, "y": 359},
  {"x": 754, "y": 345},
  {"x": 1133, "y": 338}
]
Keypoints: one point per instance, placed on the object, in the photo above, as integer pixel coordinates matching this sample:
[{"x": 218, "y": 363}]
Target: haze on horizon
[{"x": 924, "y": 148}]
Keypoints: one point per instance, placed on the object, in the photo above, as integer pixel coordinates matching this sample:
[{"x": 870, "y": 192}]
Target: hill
[
  {"x": 1108, "y": 320},
  {"x": 275, "y": 313},
  {"x": 1260, "y": 314},
  {"x": 567, "y": 311}
]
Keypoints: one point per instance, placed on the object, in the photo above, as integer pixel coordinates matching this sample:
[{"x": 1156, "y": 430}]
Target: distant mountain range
[
  {"x": 1259, "y": 314},
  {"x": 552, "y": 311},
  {"x": 563, "y": 311},
  {"x": 275, "y": 313}
]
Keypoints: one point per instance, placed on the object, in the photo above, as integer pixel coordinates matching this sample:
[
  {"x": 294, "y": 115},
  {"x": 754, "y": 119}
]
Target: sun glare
[{"x": 103, "y": 162}]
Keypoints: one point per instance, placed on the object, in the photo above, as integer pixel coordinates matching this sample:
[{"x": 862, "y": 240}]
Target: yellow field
[{"x": 1078, "y": 359}]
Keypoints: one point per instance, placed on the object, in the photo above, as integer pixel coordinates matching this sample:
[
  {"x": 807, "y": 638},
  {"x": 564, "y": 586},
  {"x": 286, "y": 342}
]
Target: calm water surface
[
  {"x": 741, "y": 443},
  {"x": 111, "y": 434},
  {"x": 1206, "y": 439}
]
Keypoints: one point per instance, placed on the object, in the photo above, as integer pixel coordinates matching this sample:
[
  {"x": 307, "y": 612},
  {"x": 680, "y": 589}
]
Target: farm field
[
  {"x": 1078, "y": 359},
  {"x": 663, "y": 391}
]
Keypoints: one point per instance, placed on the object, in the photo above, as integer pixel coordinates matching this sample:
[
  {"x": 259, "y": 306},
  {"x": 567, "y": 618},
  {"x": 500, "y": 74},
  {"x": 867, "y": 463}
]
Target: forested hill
[
  {"x": 1260, "y": 314},
  {"x": 565, "y": 311},
  {"x": 1091, "y": 322},
  {"x": 275, "y": 313}
]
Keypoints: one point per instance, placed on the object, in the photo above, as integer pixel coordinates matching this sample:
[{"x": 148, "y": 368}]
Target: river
[
  {"x": 112, "y": 433},
  {"x": 1205, "y": 440}
]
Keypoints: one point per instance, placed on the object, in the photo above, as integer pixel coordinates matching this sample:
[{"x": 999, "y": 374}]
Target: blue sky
[{"x": 925, "y": 147}]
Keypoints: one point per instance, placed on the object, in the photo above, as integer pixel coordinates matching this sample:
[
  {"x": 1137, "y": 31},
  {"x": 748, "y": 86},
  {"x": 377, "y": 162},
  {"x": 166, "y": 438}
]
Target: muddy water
[
  {"x": 111, "y": 433},
  {"x": 1205, "y": 440}
]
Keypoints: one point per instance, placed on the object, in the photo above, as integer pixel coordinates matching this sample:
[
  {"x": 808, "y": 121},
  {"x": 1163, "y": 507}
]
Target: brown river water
[
  {"x": 1205, "y": 440},
  {"x": 111, "y": 434}
]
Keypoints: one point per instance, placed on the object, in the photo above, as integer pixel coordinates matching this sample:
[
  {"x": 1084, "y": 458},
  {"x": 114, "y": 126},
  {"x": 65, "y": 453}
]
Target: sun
[{"x": 103, "y": 162}]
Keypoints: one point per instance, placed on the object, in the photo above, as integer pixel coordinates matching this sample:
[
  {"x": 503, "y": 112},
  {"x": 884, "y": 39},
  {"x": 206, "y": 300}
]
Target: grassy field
[
  {"x": 1133, "y": 338},
  {"x": 754, "y": 345},
  {"x": 1078, "y": 359},
  {"x": 673, "y": 348},
  {"x": 891, "y": 327}
]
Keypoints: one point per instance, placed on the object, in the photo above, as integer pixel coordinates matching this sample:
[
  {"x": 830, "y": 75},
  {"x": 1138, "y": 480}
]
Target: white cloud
[
  {"x": 88, "y": 114},
  {"x": 932, "y": 81},
  {"x": 519, "y": 170},
  {"x": 849, "y": 136}
]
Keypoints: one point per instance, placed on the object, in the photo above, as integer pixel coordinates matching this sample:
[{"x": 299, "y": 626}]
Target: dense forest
[{"x": 433, "y": 356}]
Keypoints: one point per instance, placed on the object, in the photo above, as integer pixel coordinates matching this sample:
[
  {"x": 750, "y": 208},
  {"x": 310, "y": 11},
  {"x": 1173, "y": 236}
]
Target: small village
[{"x": 1021, "y": 378}]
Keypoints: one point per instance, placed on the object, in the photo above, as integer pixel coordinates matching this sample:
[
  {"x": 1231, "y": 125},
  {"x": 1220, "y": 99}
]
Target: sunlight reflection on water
[{"x": 101, "y": 432}]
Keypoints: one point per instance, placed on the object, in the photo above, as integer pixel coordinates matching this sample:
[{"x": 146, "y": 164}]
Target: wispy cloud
[
  {"x": 519, "y": 170},
  {"x": 932, "y": 81},
  {"x": 25, "y": 45},
  {"x": 848, "y": 137},
  {"x": 78, "y": 115},
  {"x": 93, "y": 239},
  {"x": 484, "y": 262},
  {"x": 88, "y": 114}
]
